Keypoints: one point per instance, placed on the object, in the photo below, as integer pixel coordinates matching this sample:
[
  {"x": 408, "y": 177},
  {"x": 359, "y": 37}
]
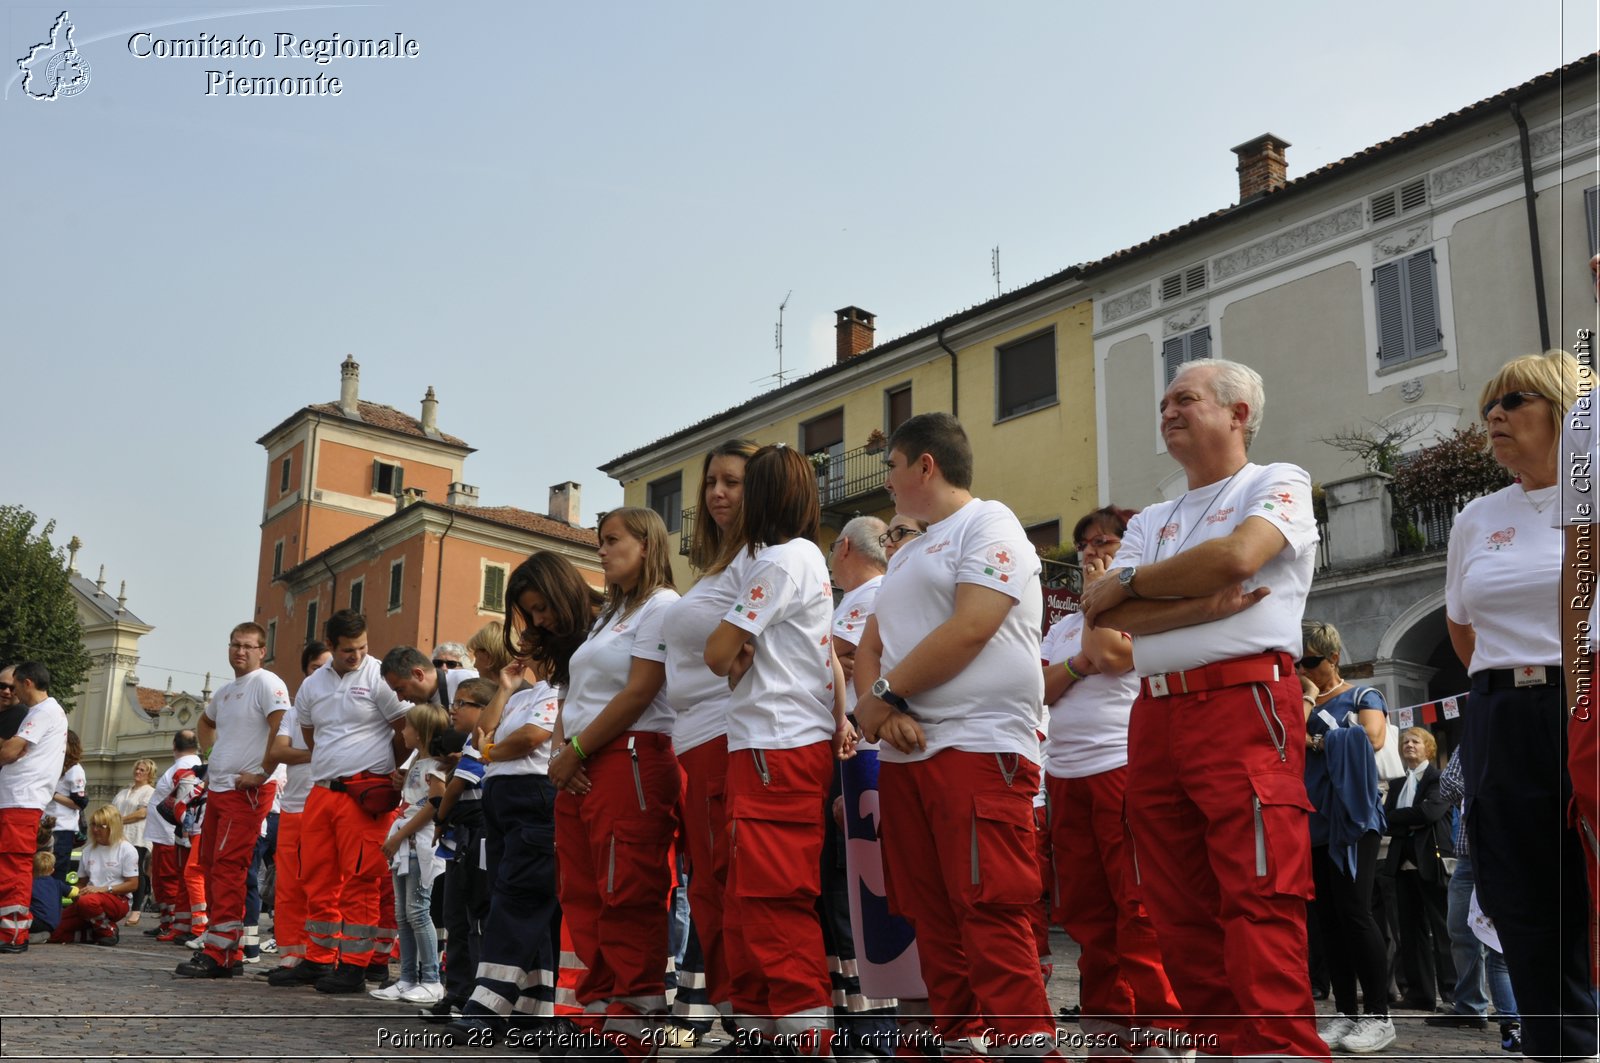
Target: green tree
[{"x": 38, "y": 618}]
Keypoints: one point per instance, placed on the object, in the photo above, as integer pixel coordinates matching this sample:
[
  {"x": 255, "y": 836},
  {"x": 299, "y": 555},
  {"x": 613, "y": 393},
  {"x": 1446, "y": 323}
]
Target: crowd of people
[{"x": 1204, "y": 768}]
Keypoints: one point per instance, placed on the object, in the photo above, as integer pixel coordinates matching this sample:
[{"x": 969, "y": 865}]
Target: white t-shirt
[
  {"x": 72, "y": 781},
  {"x": 600, "y": 667},
  {"x": 297, "y": 781},
  {"x": 240, "y": 708},
  {"x": 996, "y": 703},
  {"x": 132, "y": 799},
  {"x": 1280, "y": 494},
  {"x": 539, "y": 705},
  {"x": 850, "y": 618},
  {"x": 108, "y": 865},
  {"x": 1089, "y": 723},
  {"x": 698, "y": 694},
  {"x": 350, "y": 717},
  {"x": 157, "y": 831},
  {"x": 1503, "y": 576},
  {"x": 1577, "y": 464},
  {"x": 785, "y": 700},
  {"x": 28, "y": 781}
]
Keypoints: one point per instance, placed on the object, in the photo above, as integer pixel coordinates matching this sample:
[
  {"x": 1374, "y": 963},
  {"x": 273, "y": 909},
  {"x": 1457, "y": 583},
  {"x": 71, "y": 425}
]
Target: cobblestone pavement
[{"x": 83, "y": 1002}]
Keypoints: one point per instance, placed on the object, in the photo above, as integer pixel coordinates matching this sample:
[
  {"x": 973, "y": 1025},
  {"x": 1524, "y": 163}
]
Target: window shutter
[
  {"x": 377, "y": 476},
  {"x": 1591, "y": 214},
  {"x": 1422, "y": 301},
  {"x": 1172, "y": 352},
  {"x": 1200, "y": 343},
  {"x": 494, "y": 586},
  {"x": 1383, "y": 206},
  {"x": 1171, "y": 286},
  {"x": 1413, "y": 195},
  {"x": 399, "y": 480},
  {"x": 1194, "y": 278},
  {"x": 1386, "y": 282}
]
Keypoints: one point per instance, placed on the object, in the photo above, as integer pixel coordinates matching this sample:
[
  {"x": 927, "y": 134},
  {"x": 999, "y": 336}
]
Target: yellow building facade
[{"x": 1018, "y": 371}]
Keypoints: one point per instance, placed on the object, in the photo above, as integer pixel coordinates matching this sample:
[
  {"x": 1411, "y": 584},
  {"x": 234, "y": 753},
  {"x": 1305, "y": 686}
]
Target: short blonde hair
[
  {"x": 1430, "y": 745},
  {"x": 491, "y": 639},
  {"x": 149, "y": 767},
  {"x": 107, "y": 816},
  {"x": 1321, "y": 639},
  {"x": 1554, "y": 375},
  {"x": 44, "y": 863}
]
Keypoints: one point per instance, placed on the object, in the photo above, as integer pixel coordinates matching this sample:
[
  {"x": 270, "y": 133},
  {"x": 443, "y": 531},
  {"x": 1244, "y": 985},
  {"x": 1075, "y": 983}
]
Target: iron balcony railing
[
  {"x": 686, "y": 529},
  {"x": 849, "y": 475}
]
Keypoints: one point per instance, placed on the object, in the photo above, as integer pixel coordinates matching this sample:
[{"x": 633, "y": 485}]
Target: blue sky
[{"x": 576, "y": 221}]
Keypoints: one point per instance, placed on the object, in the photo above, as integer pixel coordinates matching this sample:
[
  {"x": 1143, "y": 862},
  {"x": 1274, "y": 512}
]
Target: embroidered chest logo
[
  {"x": 1220, "y": 515},
  {"x": 1168, "y": 532},
  {"x": 1501, "y": 539},
  {"x": 620, "y": 628},
  {"x": 999, "y": 561},
  {"x": 936, "y": 547}
]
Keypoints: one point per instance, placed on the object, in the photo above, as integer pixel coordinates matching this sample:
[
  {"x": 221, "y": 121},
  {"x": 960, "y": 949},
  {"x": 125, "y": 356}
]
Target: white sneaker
[
  {"x": 1372, "y": 1034},
  {"x": 1335, "y": 1030},
  {"x": 394, "y": 992},
  {"x": 270, "y": 945},
  {"x": 196, "y": 943},
  {"x": 426, "y": 993}
]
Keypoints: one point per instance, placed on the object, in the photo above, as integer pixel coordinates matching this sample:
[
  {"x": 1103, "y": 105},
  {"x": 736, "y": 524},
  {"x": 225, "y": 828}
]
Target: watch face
[{"x": 880, "y": 688}]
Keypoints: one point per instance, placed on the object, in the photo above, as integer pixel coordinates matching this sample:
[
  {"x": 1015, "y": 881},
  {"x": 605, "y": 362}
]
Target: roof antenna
[
  {"x": 994, "y": 267},
  {"x": 777, "y": 338}
]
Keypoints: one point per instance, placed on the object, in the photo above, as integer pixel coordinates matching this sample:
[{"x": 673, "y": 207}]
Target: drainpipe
[
  {"x": 333, "y": 594},
  {"x": 1533, "y": 226},
  {"x": 955, "y": 405},
  {"x": 438, "y": 579}
]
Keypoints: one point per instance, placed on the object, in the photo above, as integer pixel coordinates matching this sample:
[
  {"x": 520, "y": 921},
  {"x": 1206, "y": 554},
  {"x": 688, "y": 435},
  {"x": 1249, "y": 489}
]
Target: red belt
[{"x": 1257, "y": 668}]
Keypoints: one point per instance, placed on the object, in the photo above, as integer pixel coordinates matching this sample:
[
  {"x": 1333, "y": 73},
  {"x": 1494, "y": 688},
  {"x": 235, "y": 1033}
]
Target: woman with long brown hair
[
  {"x": 785, "y": 724},
  {"x": 700, "y": 698},
  {"x": 617, "y": 810}
]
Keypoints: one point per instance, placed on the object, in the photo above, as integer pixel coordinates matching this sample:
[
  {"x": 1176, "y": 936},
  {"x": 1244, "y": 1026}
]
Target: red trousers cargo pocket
[
  {"x": 1282, "y": 838},
  {"x": 1004, "y": 867},
  {"x": 777, "y": 845},
  {"x": 634, "y": 870}
]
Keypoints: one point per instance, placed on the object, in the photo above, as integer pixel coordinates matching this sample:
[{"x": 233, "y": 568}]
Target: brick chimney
[
  {"x": 350, "y": 387},
  {"x": 564, "y": 503},
  {"x": 854, "y": 329},
  {"x": 430, "y": 414},
  {"x": 1262, "y": 166}
]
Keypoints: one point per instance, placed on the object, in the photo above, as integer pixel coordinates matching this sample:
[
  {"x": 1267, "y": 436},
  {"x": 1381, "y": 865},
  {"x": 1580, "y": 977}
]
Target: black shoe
[
  {"x": 378, "y": 974},
  {"x": 1072, "y": 1014},
  {"x": 110, "y": 939},
  {"x": 346, "y": 978},
  {"x": 1511, "y": 1037},
  {"x": 13, "y": 947},
  {"x": 1456, "y": 1020},
  {"x": 302, "y": 973},
  {"x": 202, "y": 966},
  {"x": 153, "y": 931},
  {"x": 474, "y": 1030},
  {"x": 443, "y": 1011}
]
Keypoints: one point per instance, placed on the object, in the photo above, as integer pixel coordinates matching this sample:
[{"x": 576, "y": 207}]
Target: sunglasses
[
  {"x": 1308, "y": 663},
  {"x": 895, "y": 535},
  {"x": 1099, "y": 542},
  {"x": 7, "y": 687},
  {"x": 1511, "y": 400},
  {"x": 441, "y": 663}
]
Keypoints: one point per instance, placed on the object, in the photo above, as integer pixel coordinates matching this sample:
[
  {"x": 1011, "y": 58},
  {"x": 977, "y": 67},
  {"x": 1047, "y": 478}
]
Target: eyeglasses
[
  {"x": 7, "y": 687},
  {"x": 1307, "y": 663},
  {"x": 441, "y": 663},
  {"x": 895, "y": 535},
  {"x": 1511, "y": 400},
  {"x": 463, "y": 703},
  {"x": 244, "y": 646},
  {"x": 1099, "y": 542}
]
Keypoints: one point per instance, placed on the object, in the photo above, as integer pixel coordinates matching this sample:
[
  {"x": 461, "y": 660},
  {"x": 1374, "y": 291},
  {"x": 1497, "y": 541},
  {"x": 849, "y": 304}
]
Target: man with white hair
[
  {"x": 1212, "y": 587},
  {"x": 858, "y": 564}
]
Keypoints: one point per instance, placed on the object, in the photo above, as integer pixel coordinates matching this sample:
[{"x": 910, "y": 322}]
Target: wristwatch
[
  {"x": 1125, "y": 577},
  {"x": 880, "y": 690}
]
